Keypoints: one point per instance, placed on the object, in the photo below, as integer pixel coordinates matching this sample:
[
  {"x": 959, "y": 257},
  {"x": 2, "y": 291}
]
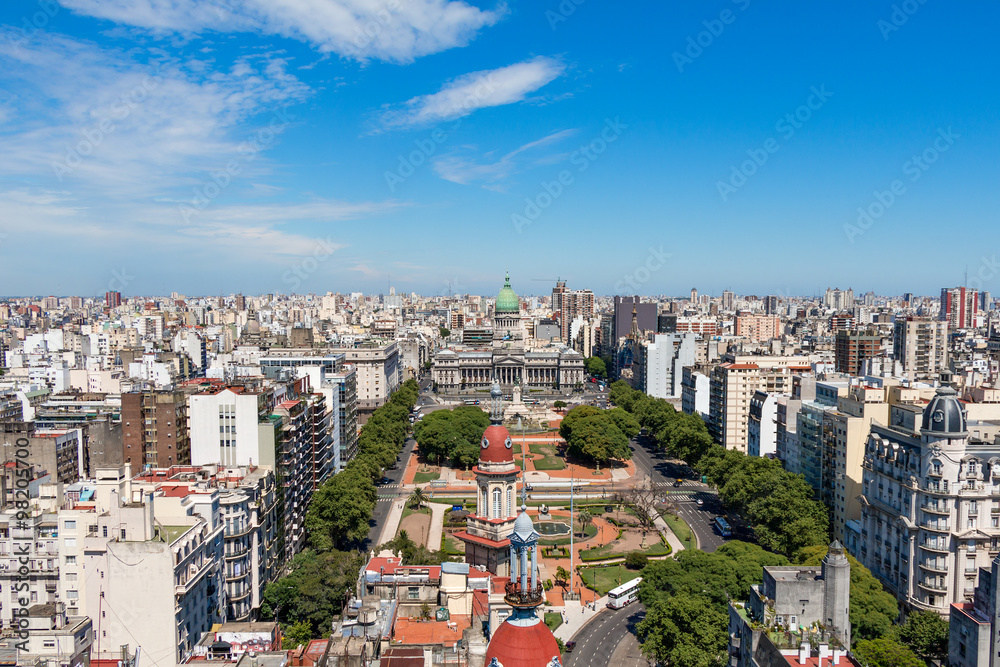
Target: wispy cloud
[
  {"x": 476, "y": 90},
  {"x": 459, "y": 167},
  {"x": 390, "y": 30}
]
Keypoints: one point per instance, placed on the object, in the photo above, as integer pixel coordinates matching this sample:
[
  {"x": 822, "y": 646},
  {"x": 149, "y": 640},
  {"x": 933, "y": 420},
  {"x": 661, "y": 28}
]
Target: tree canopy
[
  {"x": 452, "y": 435},
  {"x": 595, "y": 366},
  {"x": 686, "y": 601}
]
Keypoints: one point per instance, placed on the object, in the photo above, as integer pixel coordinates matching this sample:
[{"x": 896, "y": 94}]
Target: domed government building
[{"x": 510, "y": 356}]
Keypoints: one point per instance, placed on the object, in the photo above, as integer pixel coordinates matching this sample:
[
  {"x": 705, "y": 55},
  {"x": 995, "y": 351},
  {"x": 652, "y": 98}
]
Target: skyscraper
[{"x": 959, "y": 307}]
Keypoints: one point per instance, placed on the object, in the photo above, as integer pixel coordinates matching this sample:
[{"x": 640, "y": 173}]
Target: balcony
[
  {"x": 936, "y": 508},
  {"x": 935, "y": 566},
  {"x": 940, "y": 546},
  {"x": 932, "y": 585},
  {"x": 938, "y": 525}
]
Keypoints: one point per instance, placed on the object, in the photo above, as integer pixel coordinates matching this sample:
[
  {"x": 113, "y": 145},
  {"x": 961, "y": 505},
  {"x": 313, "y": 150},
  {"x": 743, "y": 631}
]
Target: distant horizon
[{"x": 433, "y": 144}]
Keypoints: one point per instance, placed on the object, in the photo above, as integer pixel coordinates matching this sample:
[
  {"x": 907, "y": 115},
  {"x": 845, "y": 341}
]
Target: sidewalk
[
  {"x": 392, "y": 521},
  {"x": 675, "y": 544},
  {"x": 437, "y": 525},
  {"x": 574, "y": 619}
]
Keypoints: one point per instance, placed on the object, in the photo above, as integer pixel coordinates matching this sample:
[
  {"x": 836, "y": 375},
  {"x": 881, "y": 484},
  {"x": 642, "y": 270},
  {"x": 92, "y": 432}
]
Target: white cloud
[
  {"x": 390, "y": 30},
  {"x": 459, "y": 168},
  {"x": 81, "y": 115},
  {"x": 476, "y": 90}
]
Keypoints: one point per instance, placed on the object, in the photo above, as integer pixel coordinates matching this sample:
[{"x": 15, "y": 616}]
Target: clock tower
[{"x": 487, "y": 532}]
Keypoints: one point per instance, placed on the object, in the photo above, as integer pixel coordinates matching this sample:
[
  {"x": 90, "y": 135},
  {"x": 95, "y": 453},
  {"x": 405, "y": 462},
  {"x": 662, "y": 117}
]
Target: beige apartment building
[
  {"x": 732, "y": 385},
  {"x": 921, "y": 346},
  {"x": 758, "y": 328}
]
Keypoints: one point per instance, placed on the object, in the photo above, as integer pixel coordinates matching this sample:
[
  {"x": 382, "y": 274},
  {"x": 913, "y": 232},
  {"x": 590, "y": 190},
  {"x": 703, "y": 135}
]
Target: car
[
  {"x": 700, "y": 502},
  {"x": 384, "y": 481},
  {"x": 570, "y": 645},
  {"x": 677, "y": 482}
]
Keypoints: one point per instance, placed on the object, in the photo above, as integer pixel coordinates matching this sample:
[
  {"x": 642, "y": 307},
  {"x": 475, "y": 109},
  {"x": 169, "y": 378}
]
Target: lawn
[
  {"x": 422, "y": 477},
  {"x": 655, "y": 547},
  {"x": 680, "y": 528},
  {"x": 451, "y": 546},
  {"x": 551, "y": 460},
  {"x": 603, "y": 579},
  {"x": 553, "y": 620}
]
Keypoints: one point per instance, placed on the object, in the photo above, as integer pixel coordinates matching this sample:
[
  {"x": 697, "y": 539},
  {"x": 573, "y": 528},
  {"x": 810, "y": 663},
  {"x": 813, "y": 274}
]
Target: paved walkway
[
  {"x": 437, "y": 525},
  {"x": 575, "y": 616},
  {"x": 664, "y": 529},
  {"x": 392, "y": 521}
]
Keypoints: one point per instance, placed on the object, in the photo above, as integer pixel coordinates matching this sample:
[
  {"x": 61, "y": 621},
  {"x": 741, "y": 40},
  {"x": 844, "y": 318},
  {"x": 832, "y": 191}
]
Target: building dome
[
  {"x": 496, "y": 445},
  {"x": 944, "y": 416},
  {"x": 523, "y": 643},
  {"x": 523, "y": 527},
  {"x": 507, "y": 301}
]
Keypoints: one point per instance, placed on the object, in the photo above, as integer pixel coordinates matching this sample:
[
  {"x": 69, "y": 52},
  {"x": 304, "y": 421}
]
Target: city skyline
[{"x": 205, "y": 149}]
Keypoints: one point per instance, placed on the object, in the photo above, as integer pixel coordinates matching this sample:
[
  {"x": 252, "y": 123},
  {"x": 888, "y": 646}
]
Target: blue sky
[{"x": 215, "y": 146}]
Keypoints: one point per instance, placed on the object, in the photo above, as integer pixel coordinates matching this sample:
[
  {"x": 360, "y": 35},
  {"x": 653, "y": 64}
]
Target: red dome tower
[
  {"x": 523, "y": 640},
  {"x": 486, "y": 534}
]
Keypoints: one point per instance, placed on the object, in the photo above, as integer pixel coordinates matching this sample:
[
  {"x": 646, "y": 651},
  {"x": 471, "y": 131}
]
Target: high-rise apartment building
[
  {"x": 661, "y": 363},
  {"x": 155, "y": 429},
  {"x": 921, "y": 346},
  {"x": 728, "y": 300},
  {"x": 733, "y": 383},
  {"x": 930, "y": 517},
  {"x": 112, "y": 299},
  {"x": 851, "y": 348},
  {"x": 959, "y": 307},
  {"x": 758, "y": 328}
]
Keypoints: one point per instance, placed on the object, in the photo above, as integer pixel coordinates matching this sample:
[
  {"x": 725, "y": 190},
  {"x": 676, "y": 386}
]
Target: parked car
[
  {"x": 384, "y": 481},
  {"x": 570, "y": 645}
]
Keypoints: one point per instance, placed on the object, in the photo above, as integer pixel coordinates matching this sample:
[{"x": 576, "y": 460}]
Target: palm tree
[
  {"x": 585, "y": 519},
  {"x": 417, "y": 498}
]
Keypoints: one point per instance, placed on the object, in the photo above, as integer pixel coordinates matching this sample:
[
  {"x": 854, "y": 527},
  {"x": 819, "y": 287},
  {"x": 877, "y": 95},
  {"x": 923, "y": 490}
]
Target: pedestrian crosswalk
[
  {"x": 684, "y": 482},
  {"x": 387, "y": 499}
]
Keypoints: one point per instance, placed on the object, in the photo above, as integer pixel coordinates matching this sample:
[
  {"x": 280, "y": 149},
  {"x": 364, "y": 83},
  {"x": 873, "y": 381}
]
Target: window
[
  {"x": 105, "y": 531},
  {"x": 69, "y": 525},
  {"x": 49, "y": 643},
  {"x": 497, "y": 498},
  {"x": 413, "y": 593},
  {"x": 71, "y": 560}
]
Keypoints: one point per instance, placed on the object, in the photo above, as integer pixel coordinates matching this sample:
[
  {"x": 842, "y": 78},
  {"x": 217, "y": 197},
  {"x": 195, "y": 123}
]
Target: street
[
  {"x": 387, "y": 493},
  {"x": 663, "y": 473},
  {"x": 597, "y": 640}
]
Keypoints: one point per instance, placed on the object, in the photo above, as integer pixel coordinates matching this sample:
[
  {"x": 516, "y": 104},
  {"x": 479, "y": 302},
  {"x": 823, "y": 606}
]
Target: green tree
[
  {"x": 559, "y": 404},
  {"x": 636, "y": 560},
  {"x": 686, "y": 630},
  {"x": 340, "y": 510},
  {"x": 584, "y": 519},
  {"x": 596, "y": 438},
  {"x": 623, "y": 395},
  {"x": 296, "y": 634},
  {"x": 417, "y": 499},
  {"x": 625, "y": 422},
  {"x": 573, "y": 416},
  {"x": 444, "y": 332},
  {"x": 926, "y": 633},
  {"x": 595, "y": 366},
  {"x": 885, "y": 652},
  {"x": 313, "y": 592}
]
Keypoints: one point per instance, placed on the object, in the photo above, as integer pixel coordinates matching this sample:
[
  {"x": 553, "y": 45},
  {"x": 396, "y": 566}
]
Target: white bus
[{"x": 624, "y": 594}]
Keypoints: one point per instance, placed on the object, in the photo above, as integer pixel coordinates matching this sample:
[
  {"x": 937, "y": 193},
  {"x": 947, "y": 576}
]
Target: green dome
[{"x": 507, "y": 301}]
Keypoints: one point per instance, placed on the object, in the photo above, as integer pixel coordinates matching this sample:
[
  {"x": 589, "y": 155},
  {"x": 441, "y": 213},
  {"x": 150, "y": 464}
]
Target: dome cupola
[{"x": 944, "y": 416}]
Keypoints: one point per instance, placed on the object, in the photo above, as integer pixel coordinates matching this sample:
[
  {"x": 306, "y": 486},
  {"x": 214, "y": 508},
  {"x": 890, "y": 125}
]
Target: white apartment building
[
  {"x": 663, "y": 361},
  {"x": 694, "y": 392},
  {"x": 379, "y": 373},
  {"x": 931, "y": 503},
  {"x": 762, "y": 433}
]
